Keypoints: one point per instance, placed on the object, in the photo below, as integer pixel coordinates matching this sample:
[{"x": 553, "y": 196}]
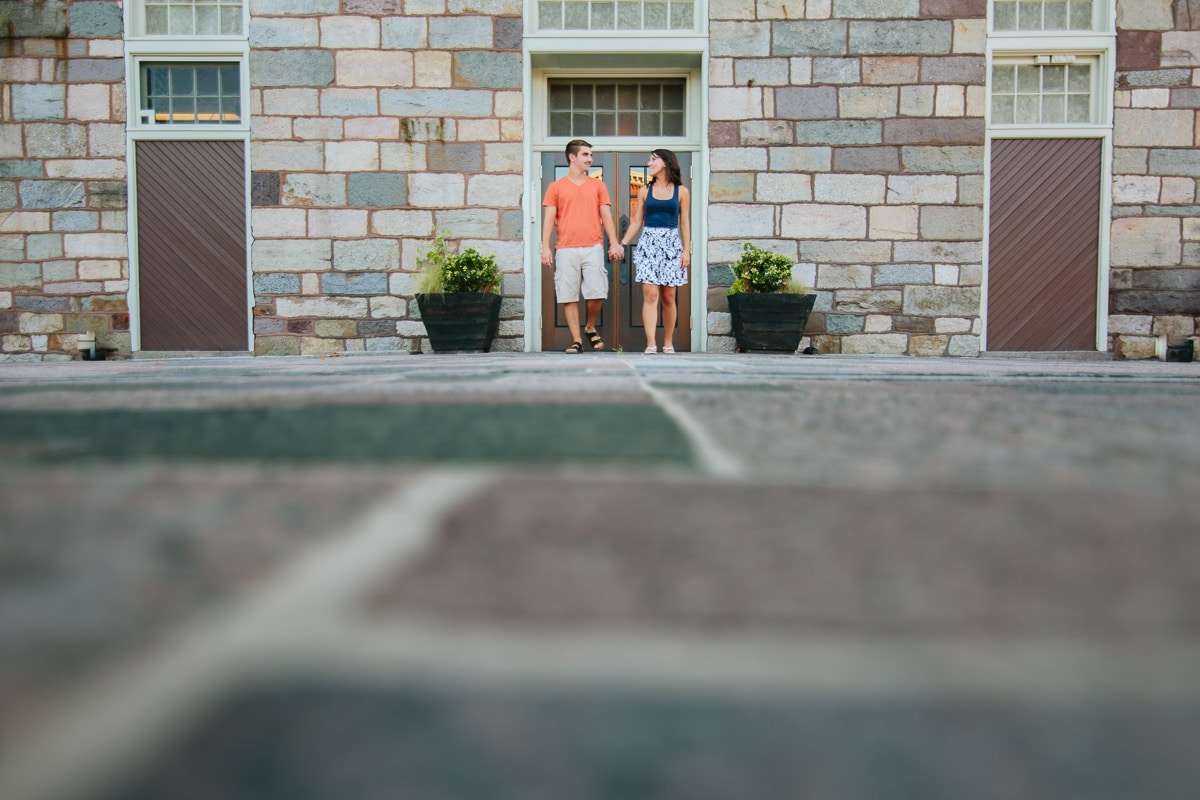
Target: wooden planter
[
  {"x": 458, "y": 321},
  {"x": 769, "y": 322}
]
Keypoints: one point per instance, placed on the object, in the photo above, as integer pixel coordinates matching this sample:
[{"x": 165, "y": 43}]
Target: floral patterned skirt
[{"x": 658, "y": 258}]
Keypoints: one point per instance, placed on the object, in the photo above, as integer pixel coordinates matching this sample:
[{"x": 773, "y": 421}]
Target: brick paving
[{"x": 599, "y": 576}]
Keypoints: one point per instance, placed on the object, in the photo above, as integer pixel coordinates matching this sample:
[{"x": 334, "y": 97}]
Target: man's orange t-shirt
[{"x": 577, "y": 220}]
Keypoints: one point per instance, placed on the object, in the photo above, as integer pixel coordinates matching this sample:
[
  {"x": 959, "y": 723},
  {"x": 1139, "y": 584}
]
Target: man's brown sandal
[
  {"x": 575, "y": 348},
  {"x": 594, "y": 338}
]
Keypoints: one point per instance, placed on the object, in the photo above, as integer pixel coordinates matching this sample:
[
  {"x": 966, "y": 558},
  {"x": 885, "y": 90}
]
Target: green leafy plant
[
  {"x": 468, "y": 271},
  {"x": 760, "y": 270}
]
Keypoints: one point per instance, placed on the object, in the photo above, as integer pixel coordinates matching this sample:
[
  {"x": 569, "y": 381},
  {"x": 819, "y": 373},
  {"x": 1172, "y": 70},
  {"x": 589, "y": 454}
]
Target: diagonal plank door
[
  {"x": 191, "y": 213},
  {"x": 1044, "y": 247}
]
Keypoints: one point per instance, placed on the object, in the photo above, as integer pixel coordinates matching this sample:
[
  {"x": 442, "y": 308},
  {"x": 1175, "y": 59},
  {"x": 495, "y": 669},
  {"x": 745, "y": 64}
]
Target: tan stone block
[
  {"x": 312, "y": 346},
  {"x": 894, "y": 222},
  {"x": 276, "y": 346},
  {"x": 1139, "y": 127},
  {"x": 389, "y": 68},
  {"x": 1146, "y": 242},
  {"x": 928, "y": 345},
  {"x": 39, "y": 323},
  {"x": 860, "y": 301},
  {"x": 1174, "y": 327},
  {"x": 895, "y": 344},
  {"x": 970, "y": 36},
  {"x": 335, "y": 328},
  {"x": 89, "y": 101},
  {"x": 891, "y": 70},
  {"x": 108, "y": 269},
  {"x": 433, "y": 69},
  {"x": 1134, "y": 347},
  {"x": 857, "y": 276},
  {"x": 24, "y": 221}
]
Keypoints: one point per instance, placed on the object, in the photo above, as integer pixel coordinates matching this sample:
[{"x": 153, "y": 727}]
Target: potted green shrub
[
  {"x": 459, "y": 298},
  {"x": 768, "y": 308}
]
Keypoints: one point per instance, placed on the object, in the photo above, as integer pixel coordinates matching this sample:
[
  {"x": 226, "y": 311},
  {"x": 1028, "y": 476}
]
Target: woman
[{"x": 664, "y": 252}]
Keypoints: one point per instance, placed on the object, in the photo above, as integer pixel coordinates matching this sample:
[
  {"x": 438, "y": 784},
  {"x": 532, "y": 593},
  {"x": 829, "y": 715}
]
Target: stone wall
[
  {"x": 64, "y": 266},
  {"x": 376, "y": 125},
  {"x": 850, "y": 136},
  {"x": 1155, "y": 277}
]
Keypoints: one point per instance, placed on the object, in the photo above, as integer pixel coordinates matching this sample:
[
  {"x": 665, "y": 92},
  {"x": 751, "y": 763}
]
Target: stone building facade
[{"x": 866, "y": 139}]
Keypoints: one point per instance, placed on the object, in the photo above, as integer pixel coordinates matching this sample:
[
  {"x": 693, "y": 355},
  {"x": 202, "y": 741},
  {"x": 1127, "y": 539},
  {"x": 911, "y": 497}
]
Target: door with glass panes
[{"x": 620, "y": 322}]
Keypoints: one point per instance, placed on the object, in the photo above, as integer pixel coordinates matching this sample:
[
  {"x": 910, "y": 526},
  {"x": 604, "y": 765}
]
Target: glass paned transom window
[
  {"x": 1042, "y": 94},
  {"x": 617, "y": 108},
  {"x": 191, "y": 94},
  {"x": 193, "y": 17},
  {"x": 623, "y": 15},
  {"x": 1043, "y": 15}
]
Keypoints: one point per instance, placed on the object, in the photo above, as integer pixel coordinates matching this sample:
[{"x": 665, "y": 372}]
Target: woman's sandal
[
  {"x": 668, "y": 348},
  {"x": 575, "y": 348},
  {"x": 651, "y": 349},
  {"x": 594, "y": 338}
]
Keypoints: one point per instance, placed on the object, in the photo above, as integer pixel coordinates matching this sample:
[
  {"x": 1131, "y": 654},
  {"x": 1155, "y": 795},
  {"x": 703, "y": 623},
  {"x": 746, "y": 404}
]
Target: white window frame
[
  {"x": 1101, "y": 46},
  {"x": 699, "y": 25},
  {"x": 140, "y": 49},
  {"x": 135, "y": 23}
]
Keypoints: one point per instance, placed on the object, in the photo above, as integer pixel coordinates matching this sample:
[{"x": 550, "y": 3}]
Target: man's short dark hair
[{"x": 574, "y": 145}]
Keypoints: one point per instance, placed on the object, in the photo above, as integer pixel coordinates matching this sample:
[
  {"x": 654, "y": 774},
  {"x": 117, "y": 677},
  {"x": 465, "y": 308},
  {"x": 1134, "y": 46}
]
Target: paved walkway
[{"x": 604, "y": 576}]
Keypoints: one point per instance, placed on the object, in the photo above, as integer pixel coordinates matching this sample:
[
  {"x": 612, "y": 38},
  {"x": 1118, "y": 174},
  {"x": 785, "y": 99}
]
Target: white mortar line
[
  {"x": 713, "y": 459},
  {"x": 107, "y": 726}
]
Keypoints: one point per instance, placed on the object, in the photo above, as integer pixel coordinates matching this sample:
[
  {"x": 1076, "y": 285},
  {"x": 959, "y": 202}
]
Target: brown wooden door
[
  {"x": 621, "y": 320},
  {"x": 191, "y": 213},
  {"x": 1044, "y": 246}
]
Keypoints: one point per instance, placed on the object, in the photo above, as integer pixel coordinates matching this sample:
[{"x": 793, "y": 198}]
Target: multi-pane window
[
  {"x": 192, "y": 17},
  {"x": 617, "y": 108},
  {"x": 1042, "y": 93},
  {"x": 623, "y": 15},
  {"x": 1043, "y": 15},
  {"x": 191, "y": 94}
]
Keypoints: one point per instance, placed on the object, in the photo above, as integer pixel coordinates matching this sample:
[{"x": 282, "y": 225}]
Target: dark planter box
[
  {"x": 457, "y": 321},
  {"x": 769, "y": 322}
]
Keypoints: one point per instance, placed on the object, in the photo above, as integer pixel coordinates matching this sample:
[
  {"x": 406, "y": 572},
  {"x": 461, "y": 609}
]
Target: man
[{"x": 578, "y": 206}]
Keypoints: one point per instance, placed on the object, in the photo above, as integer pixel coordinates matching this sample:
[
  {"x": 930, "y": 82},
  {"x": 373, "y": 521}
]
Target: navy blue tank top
[{"x": 662, "y": 213}]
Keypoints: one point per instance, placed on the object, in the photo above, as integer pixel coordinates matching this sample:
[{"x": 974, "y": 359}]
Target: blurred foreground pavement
[{"x": 604, "y": 576}]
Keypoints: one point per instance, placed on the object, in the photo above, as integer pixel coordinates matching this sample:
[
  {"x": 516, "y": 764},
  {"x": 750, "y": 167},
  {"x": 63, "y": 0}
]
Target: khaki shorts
[{"x": 580, "y": 268}]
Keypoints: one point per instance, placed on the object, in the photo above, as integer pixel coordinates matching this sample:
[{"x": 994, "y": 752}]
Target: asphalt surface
[{"x": 599, "y": 576}]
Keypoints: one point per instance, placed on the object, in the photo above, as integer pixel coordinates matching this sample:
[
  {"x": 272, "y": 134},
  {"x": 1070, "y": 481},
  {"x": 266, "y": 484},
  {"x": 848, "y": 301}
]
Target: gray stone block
[
  {"x": 841, "y": 132},
  {"x": 956, "y": 160},
  {"x": 71, "y": 221},
  {"x": 878, "y": 9},
  {"x": 820, "y": 38},
  {"x": 96, "y": 19},
  {"x": 108, "y": 194},
  {"x": 844, "y": 323},
  {"x": 95, "y": 70},
  {"x": 510, "y": 32},
  {"x": 404, "y": 33},
  {"x": 291, "y": 68},
  {"x": 436, "y": 102},
  {"x": 1174, "y": 279},
  {"x": 42, "y": 20},
  {"x": 874, "y": 160},
  {"x": 454, "y": 157},
  {"x": 969, "y": 70},
  {"x": 277, "y": 283},
  {"x": 264, "y": 189},
  {"x": 378, "y": 189},
  {"x": 354, "y": 283},
  {"x": 39, "y": 303},
  {"x": 837, "y": 70},
  {"x": 55, "y": 140},
  {"x": 1155, "y": 78},
  {"x": 44, "y": 246},
  {"x": 1175, "y": 162},
  {"x": 806, "y": 102},
  {"x": 485, "y": 69},
  {"x": 948, "y": 301},
  {"x": 35, "y": 101},
  {"x": 20, "y": 275},
  {"x": 8, "y": 194},
  {"x": 899, "y": 37},
  {"x": 52, "y": 194},
  {"x": 903, "y": 274}
]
